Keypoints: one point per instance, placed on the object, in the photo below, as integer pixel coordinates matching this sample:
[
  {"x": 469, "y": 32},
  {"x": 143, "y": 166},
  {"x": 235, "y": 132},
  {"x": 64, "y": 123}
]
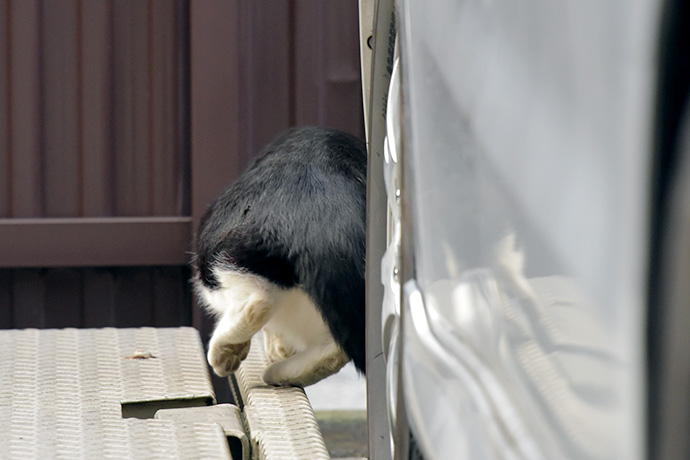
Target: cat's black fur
[{"x": 297, "y": 217}]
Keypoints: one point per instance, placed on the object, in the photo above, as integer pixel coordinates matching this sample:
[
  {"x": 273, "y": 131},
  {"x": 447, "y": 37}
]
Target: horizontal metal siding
[
  {"x": 95, "y": 241},
  {"x": 92, "y": 108}
]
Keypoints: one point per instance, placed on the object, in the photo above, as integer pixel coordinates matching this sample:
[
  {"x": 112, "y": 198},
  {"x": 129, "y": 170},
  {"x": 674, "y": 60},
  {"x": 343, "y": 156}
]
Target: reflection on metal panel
[{"x": 528, "y": 134}]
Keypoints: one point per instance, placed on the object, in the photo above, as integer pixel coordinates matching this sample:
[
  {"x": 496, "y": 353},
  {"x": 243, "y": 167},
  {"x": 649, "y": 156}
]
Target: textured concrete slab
[
  {"x": 281, "y": 421},
  {"x": 228, "y": 416},
  {"x": 68, "y": 393}
]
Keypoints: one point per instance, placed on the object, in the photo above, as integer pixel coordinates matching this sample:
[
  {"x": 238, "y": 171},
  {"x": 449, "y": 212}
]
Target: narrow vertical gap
[
  {"x": 672, "y": 98},
  {"x": 112, "y": 295},
  {"x": 80, "y": 110},
  {"x": 10, "y": 110},
  {"x": 42, "y": 275},
  {"x": 292, "y": 65},
  {"x": 150, "y": 177},
  {"x": 84, "y": 273},
  {"x": 152, "y": 294},
  {"x": 13, "y": 275}
]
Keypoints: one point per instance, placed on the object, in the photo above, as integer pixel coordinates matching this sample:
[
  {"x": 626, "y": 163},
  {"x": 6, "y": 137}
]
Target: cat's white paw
[
  {"x": 303, "y": 370},
  {"x": 225, "y": 358},
  {"x": 275, "y": 375}
]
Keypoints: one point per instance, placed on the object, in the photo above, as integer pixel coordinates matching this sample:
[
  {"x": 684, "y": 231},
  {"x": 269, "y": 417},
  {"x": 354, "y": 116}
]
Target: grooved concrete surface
[
  {"x": 62, "y": 394},
  {"x": 281, "y": 421}
]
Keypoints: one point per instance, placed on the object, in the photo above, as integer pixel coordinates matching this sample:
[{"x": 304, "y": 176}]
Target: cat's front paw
[{"x": 225, "y": 358}]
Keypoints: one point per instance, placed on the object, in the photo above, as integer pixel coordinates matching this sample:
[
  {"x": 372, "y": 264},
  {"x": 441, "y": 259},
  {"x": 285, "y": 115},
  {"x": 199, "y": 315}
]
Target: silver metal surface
[
  {"x": 67, "y": 394},
  {"x": 366, "y": 43},
  {"x": 528, "y": 132},
  {"x": 384, "y": 32},
  {"x": 280, "y": 420}
]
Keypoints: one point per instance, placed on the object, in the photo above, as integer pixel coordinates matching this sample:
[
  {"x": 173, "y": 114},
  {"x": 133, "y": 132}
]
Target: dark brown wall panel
[
  {"x": 26, "y": 292},
  {"x": 95, "y": 297},
  {"x": 24, "y": 107},
  {"x": 91, "y": 108},
  {"x": 96, "y": 98},
  {"x": 61, "y": 179},
  {"x": 4, "y": 127},
  {"x": 342, "y": 76},
  {"x": 131, "y": 104},
  {"x": 141, "y": 108},
  {"x": 6, "y": 301},
  {"x": 266, "y": 71},
  {"x": 62, "y": 300},
  {"x": 299, "y": 64},
  {"x": 327, "y": 84}
]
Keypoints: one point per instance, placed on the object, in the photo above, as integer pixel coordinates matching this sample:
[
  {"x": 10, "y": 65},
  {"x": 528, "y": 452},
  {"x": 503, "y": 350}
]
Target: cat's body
[{"x": 283, "y": 248}]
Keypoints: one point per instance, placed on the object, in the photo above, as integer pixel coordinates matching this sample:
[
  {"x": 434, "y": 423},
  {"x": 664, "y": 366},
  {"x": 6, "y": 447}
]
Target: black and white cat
[{"x": 282, "y": 248}]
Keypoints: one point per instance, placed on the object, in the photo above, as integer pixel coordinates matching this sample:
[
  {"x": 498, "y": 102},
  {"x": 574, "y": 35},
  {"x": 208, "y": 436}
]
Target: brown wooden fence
[{"x": 120, "y": 120}]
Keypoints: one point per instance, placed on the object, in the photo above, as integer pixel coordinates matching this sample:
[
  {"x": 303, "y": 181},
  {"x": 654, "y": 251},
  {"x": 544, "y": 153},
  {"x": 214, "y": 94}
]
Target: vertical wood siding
[
  {"x": 94, "y": 123},
  {"x": 91, "y": 108},
  {"x": 105, "y": 106},
  {"x": 327, "y": 78},
  {"x": 300, "y": 66}
]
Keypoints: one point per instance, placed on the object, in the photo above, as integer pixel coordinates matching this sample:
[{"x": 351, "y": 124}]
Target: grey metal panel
[
  {"x": 384, "y": 27},
  {"x": 281, "y": 421},
  {"x": 529, "y": 134},
  {"x": 63, "y": 394}
]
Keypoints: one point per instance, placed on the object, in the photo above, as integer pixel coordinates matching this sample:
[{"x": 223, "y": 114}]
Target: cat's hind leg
[
  {"x": 307, "y": 366},
  {"x": 276, "y": 348},
  {"x": 243, "y": 304}
]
